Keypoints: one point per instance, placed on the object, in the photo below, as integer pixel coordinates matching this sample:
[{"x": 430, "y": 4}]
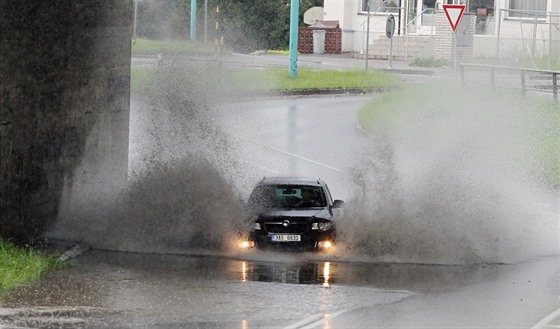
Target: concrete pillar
[{"x": 64, "y": 83}]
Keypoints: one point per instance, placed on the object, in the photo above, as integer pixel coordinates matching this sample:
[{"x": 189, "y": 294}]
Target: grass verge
[
  {"x": 531, "y": 121},
  {"x": 21, "y": 265},
  {"x": 277, "y": 79},
  {"x": 148, "y": 46}
]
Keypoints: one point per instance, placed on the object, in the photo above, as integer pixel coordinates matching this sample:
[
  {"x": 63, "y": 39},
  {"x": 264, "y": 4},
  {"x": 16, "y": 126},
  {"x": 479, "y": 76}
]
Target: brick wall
[
  {"x": 305, "y": 41},
  {"x": 444, "y": 41},
  {"x": 333, "y": 41}
]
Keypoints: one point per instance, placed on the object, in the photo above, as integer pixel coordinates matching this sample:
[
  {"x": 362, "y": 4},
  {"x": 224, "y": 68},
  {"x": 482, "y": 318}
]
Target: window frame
[
  {"x": 381, "y": 4},
  {"x": 515, "y": 13}
]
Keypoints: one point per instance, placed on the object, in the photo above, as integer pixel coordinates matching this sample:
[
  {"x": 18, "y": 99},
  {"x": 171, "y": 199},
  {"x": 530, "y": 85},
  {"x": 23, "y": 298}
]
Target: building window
[
  {"x": 484, "y": 11},
  {"x": 380, "y": 5},
  {"x": 475, "y": 6},
  {"x": 527, "y": 9}
]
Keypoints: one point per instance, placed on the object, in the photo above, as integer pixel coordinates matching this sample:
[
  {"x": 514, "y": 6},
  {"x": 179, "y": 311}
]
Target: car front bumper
[{"x": 307, "y": 241}]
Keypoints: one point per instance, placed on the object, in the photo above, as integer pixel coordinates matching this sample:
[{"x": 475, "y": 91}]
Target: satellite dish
[{"x": 312, "y": 15}]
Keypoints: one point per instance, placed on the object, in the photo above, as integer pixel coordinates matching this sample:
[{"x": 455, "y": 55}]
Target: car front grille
[{"x": 278, "y": 227}]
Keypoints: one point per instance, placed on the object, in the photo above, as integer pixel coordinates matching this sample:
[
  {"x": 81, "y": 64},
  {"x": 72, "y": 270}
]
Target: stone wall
[{"x": 64, "y": 81}]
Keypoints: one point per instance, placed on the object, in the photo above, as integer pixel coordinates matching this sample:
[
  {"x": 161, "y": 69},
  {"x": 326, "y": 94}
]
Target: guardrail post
[
  {"x": 523, "y": 82},
  {"x": 523, "y": 75},
  {"x": 555, "y": 85}
]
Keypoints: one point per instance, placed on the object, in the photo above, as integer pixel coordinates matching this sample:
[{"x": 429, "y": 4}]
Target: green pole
[
  {"x": 294, "y": 18},
  {"x": 193, "y": 20}
]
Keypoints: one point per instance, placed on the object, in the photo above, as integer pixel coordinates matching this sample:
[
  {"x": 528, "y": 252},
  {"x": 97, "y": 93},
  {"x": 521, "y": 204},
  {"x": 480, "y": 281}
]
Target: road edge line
[
  {"x": 546, "y": 320},
  {"x": 325, "y": 318},
  {"x": 312, "y": 318}
]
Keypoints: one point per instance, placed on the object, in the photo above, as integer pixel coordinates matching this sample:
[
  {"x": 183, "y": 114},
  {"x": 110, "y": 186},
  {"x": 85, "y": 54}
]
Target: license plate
[{"x": 286, "y": 237}]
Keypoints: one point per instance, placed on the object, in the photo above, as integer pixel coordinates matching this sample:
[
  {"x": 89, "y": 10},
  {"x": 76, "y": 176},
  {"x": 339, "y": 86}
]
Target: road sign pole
[
  {"x": 455, "y": 53},
  {"x": 390, "y": 31},
  {"x": 391, "y": 55},
  {"x": 454, "y": 14}
]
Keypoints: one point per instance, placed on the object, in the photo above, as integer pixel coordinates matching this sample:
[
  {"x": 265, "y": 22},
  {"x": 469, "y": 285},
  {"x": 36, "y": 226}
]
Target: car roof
[{"x": 291, "y": 181}]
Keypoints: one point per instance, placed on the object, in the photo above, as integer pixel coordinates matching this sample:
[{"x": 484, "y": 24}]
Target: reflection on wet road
[
  {"x": 308, "y": 273},
  {"x": 269, "y": 290}
]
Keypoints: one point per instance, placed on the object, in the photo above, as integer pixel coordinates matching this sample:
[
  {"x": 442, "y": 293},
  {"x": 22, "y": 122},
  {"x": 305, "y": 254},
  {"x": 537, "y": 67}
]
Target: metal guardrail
[{"x": 525, "y": 76}]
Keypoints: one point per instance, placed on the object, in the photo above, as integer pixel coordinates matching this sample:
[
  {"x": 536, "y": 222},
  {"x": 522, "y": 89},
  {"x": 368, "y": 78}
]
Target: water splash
[
  {"x": 447, "y": 184},
  {"x": 179, "y": 195},
  {"x": 455, "y": 182}
]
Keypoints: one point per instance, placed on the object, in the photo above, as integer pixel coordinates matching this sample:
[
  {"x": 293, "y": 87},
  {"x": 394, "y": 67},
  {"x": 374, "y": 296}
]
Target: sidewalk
[{"x": 345, "y": 61}]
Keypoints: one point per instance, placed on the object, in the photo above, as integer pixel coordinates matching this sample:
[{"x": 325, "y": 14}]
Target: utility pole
[
  {"x": 193, "y": 20},
  {"x": 135, "y": 18},
  {"x": 367, "y": 36},
  {"x": 219, "y": 34},
  {"x": 294, "y": 19},
  {"x": 205, "y": 20}
]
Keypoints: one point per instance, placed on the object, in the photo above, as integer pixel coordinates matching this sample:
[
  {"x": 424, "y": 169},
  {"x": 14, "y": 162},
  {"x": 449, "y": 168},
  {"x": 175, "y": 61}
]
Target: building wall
[
  {"x": 458, "y": 45},
  {"x": 64, "y": 88},
  {"x": 343, "y": 12},
  {"x": 516, "y": 38}
]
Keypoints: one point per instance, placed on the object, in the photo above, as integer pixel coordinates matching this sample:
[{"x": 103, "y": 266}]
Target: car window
[{"x": 287, "y": 197}]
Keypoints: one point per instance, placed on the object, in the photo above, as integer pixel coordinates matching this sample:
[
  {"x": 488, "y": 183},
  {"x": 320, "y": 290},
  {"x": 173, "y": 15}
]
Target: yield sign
[{"x": 454, "y": 14}]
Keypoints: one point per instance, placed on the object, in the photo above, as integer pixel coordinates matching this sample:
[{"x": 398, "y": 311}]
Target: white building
[{"x": 508, "y": 28}]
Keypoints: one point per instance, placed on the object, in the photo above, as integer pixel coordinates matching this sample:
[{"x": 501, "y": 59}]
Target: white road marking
[
  {"x": 315, "y": 320},
  {"x": 307, "y": 320},
  {"x": 545, "y": 323},
  {"x": 299, "y": 157},
  {"x": 325, "y": 318}
]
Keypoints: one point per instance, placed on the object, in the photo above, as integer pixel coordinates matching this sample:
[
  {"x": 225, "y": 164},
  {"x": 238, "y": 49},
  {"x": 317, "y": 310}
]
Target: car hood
[{"x": 299, "y": 213}]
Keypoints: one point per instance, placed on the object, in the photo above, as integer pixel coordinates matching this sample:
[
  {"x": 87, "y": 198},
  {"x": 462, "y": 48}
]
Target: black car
[{"x": 291, "y": 212}]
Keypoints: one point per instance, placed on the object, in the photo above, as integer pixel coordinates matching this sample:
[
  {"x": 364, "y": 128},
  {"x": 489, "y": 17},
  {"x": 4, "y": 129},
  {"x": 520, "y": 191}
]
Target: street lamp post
[
  {"x": 135, "y": 18},
  {"x": 205, "y": 20},
  {"x": 193, "y": 20},
  {"x": 294, "y": 18}
]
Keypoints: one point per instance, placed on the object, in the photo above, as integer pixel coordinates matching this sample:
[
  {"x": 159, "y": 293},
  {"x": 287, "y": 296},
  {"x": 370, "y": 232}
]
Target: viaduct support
[{"x": 64, "y": 99}]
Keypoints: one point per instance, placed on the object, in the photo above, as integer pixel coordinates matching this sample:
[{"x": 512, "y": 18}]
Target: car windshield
[{"x": 287, "y": 197}]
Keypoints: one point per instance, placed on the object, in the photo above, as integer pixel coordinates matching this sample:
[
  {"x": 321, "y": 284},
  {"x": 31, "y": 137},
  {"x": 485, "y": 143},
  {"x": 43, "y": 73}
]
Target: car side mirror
[{"x": 338, "y": 204}]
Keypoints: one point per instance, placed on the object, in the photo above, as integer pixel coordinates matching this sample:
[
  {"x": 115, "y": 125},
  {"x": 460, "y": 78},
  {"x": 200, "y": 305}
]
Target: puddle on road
[
  {"x": 108, "y": 288},
  {"x": 68, "y": 298},
  {"x": 414, "y": 277}
]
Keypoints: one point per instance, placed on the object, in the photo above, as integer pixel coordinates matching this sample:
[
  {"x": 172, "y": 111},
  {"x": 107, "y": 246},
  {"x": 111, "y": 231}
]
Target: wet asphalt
[
  {"x": 105, "y": 289},
  {"x": 256, "y": 289}
]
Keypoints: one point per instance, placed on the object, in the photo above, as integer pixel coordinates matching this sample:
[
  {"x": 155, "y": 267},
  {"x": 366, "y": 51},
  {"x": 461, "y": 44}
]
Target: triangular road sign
[{"x": 454, "y": 14}]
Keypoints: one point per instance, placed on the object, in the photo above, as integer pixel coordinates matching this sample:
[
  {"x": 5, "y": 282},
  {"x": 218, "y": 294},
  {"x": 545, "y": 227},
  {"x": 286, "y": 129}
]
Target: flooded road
[
  {"x": 436, "y": 233},
  {"x": 270, "y": 290}
]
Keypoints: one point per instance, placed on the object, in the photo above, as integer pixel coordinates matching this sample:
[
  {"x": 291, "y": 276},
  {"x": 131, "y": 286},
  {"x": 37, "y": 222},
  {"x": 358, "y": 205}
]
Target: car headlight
[
  {"x": 322, "y": 227},
  {"x": 246, "y": 244},
  {"x": 257, "y": 227}
]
